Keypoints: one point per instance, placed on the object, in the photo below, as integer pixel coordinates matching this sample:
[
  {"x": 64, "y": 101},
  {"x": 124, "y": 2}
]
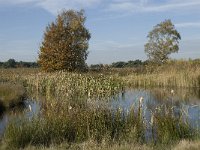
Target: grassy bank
[
  {"x": 11, "y": 94},
  {"x": 92, "y": 145}
]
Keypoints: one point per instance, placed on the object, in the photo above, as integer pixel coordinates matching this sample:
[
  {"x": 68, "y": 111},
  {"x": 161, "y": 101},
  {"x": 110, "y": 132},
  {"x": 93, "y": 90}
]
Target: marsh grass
[
  {"x": 92, "y": 145},
  {"x": 11, "y": 94},
  {"x": 168, "y": 128},
  {"x": 68, "y": 118},
  {"x": 74, "y": 125},
  {"x": 16, "y": 74},
  {"x": 173, "y": 74},
  {"x": 187, "y": 145},
  {"x": 70, "y": 85},
  {"x": 60, "y": 122}
]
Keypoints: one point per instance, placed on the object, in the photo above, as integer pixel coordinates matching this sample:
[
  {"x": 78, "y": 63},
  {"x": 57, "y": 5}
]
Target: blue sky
[{"x": 118, "y": 27}]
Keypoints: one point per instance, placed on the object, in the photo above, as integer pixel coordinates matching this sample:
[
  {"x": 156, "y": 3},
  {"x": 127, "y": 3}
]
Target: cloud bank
[
  {"x": 188, "y": 24},
  {"x": 125, "y": 6},
  {"x": 53, "y": 6},
  {"x": 133, "y": 6}
]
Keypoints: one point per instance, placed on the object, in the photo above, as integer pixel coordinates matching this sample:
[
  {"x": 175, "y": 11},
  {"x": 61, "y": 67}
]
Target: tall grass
[
  {"x": 174, "y": 73},
  {"x": 64, "y": 120},
  {"x": 73, "y": 85},
  {"x": 60, "y": 122},
  {"x": 16, "y": 74},
  {"x": 171, "y": 74},
  {"x": 168, "y": 127}
]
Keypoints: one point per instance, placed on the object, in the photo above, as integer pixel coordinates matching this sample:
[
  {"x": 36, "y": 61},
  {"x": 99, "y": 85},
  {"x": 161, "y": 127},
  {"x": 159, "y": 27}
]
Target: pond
[
  {"x": 184, "y": 101},
  {"x": 185, "y": 104}
]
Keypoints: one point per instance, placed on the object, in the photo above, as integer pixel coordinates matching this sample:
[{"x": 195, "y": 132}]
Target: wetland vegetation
[{"x": 83, "y": 110}]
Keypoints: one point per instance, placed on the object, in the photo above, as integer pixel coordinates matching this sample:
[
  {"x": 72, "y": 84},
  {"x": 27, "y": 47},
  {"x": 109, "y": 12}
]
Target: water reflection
[{"x": 182, "y": 101}]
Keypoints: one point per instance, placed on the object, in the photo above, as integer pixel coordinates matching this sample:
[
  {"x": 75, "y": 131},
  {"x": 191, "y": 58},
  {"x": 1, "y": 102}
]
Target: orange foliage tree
[{"x": 65, "y": 44}]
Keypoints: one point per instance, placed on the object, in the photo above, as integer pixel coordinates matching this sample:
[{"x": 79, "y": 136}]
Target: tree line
[
  {"x": 120, "y": 64},
  {"x": 12, "y": 63}
]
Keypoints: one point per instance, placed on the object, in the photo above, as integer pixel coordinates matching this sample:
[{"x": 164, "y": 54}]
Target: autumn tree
[
  {"x": 65, "y": 44},
  {"x": 162, "y": 41}
]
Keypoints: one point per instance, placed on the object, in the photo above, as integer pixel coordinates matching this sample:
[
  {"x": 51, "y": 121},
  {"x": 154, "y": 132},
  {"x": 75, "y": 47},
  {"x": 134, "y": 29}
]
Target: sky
[{"x": 118, "y": 28}]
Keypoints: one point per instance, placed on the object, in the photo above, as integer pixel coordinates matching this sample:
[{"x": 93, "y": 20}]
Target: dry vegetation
[
  {"x": 11, "y": 94},
  {"x": 179, "y": 74},
  {"x": 68, "y": 121}
]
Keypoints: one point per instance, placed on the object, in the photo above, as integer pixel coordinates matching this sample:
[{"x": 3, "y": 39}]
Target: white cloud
[
  {"x": 127, "y": 6},
  {"x": 188, "y": 24},
  {"x": 54, "y": 6},
  {"x": 149, "y": 6}
]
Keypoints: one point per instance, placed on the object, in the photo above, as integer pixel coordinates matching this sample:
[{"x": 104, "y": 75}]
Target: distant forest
[
  {"x": 120, "y": 64},
  {"x": 12, "y": 63}
]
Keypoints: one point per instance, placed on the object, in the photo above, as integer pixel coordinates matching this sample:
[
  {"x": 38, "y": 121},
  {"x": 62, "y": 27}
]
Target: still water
[{"x": 184, "y": 101}]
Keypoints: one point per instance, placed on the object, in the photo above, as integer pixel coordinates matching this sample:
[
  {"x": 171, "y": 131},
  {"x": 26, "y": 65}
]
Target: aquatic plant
[
  {"x": 63, "y": 121},
  {"x": 77, "y": 124},
  {"x": 167, "y": 127}
]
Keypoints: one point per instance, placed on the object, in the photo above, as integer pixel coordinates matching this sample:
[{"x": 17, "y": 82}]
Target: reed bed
[
  {"x": 62, "y": 122},
  {"x": 16, "y": 74},
  {"x": 73, "y": 85},
  {"x": 166, "y": 76},
  {"x": 167, "y": 126},
  {"x": 75, "y": 124}
]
